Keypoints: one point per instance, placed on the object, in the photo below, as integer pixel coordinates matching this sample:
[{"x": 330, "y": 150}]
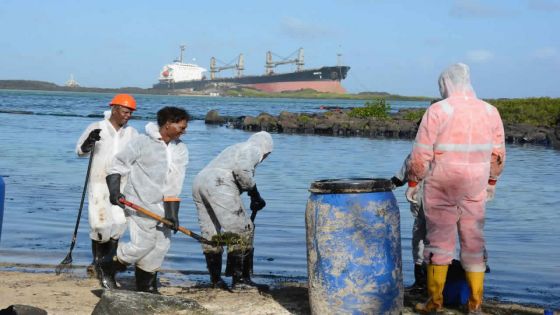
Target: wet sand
[{"x": 74, "y": 293}]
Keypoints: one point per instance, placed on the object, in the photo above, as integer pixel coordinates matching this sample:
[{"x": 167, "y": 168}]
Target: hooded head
[
  {"x": 262, "y": 140},
  {"x": 455, "y": 80}
]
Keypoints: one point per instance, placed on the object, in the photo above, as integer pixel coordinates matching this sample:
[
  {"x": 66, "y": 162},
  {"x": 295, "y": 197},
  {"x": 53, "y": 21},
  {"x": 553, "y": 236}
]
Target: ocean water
[{"x": 44, "y": 182}]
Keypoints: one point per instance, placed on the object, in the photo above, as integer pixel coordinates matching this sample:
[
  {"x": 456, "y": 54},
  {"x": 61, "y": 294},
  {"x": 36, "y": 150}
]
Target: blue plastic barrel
[
  {"x": 354, "y": 262},
  {"x": 2, "y": 195}
]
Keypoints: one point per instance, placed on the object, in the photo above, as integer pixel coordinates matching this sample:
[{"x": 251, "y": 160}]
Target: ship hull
[
  {"x": 319, "y": 86},
  {"x": 325, "y": 79}
]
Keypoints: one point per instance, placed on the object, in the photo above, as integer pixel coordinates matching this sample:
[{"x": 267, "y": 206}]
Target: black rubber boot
[
  {"x": 231, "y": 258},
  {"x": 242, "y": 273},
  {"x": 214, "y": 265},
  {"x": 101, "y": 250},
  {"x": 92, "y": 269},
  {"x": 110, "y": 265},
  {"x": 146, "y": 281},
  {"x": 419, "y": 279}
]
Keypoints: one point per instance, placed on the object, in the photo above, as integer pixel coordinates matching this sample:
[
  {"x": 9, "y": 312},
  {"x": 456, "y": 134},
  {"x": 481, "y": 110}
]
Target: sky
[{"x": 511, "y": 46}]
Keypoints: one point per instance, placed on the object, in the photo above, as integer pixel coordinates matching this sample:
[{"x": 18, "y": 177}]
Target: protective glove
[
  {"x": 90, "y": 141},
  {"x": 491, "y": 189},
  {"x": 412, "y": 192},
  {"x": 172, "y": 213},
  {"x": 114, "y": 184},
  {"x": 257, "y": 203},
  {"x": 396, "y": 182}
]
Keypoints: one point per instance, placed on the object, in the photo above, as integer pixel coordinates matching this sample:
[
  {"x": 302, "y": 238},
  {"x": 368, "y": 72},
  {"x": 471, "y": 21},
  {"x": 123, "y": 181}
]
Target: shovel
[{"x": 163, "y": 220}]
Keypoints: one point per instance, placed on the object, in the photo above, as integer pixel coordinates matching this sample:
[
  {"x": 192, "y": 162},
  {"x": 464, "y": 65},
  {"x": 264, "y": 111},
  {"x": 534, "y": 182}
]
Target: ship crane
[
  {"x": 271, "y": 64},
  {"x": 239, "y": 66}
]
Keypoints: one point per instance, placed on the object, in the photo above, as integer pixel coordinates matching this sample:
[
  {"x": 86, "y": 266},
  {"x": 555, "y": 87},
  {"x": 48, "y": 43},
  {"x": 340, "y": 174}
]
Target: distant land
[{"x": 235, "y": 91}]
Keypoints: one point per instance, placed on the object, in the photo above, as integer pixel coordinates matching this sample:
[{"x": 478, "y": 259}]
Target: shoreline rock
[{"x": 336, "y": 122}]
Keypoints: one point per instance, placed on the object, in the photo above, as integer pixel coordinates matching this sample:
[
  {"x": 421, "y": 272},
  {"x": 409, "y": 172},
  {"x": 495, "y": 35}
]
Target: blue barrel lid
[{"x": 351, "y": 185}]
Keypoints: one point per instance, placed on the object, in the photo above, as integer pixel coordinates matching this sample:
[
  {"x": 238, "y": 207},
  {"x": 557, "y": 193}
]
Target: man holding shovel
[
  {"x": 155, "y": 164},
  {"x": 217, "y": 193},
  {"x": 107, "y": 222}
]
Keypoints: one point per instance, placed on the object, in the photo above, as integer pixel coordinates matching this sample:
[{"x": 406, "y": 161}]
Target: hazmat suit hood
[
  {"x": 152, "y": 130},
  {"x": 456, "y": 81},
  {"x": 263, "y": 141}
]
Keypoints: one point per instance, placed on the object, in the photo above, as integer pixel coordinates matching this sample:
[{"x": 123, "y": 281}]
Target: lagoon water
[{"x": 44, "y": 182}]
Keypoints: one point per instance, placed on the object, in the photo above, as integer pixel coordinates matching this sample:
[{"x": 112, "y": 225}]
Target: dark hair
[{"x": 172, "y": 114}]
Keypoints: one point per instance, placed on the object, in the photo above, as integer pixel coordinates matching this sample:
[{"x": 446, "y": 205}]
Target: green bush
[
  {"x": 304, "y": 119},
  {"x": 414, "y": 114},
  {"x": 542, "y": 111},
  {"x": 376, "y": 109}
]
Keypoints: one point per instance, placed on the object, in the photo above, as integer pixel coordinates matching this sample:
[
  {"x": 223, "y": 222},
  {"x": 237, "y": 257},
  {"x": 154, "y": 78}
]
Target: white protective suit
[
  {"x": 217, "y": 190},
  {"x": 105, "y": 220},
  {"x": 417, "y": 210},
  {"x": 155, "y": 170}
]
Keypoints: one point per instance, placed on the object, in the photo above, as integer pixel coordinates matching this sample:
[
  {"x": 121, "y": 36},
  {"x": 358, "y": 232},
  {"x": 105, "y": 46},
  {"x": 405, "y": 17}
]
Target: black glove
[
  {"x": 396, "y": 182},
  {"x": 257, "y": 203},
  {"x": 90, "y": 141},
  {"x": 172, "y": 213},
  {"x": 114, "y": 184}
]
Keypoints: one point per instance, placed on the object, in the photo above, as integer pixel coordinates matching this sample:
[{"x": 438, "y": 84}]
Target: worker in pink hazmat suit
[{"x": 459, "y": 153}]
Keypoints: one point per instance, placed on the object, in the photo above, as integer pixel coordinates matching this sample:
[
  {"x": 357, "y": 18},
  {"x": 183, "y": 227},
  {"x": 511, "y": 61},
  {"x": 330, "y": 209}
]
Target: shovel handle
[{"x": 165, "y": 221}]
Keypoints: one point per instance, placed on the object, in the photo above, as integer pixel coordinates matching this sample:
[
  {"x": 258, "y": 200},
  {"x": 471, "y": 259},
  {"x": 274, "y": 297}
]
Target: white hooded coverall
[
  {"x": 155, "y": 171},
  {"x": 217, "y": 190},
  {"x": 105, "y": 220},
  {"x": 417, "y": 210},
  {"x": 459, "y": 147}
]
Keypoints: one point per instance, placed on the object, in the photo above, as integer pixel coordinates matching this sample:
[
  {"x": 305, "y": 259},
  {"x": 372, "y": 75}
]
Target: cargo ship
[{"x": 188, "y": 76}]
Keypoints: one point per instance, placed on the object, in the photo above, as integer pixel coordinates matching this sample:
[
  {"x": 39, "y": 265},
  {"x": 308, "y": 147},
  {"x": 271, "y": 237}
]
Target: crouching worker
[
  {"x": 217, "y": 193},
  {"x": 155, "y": 164}
]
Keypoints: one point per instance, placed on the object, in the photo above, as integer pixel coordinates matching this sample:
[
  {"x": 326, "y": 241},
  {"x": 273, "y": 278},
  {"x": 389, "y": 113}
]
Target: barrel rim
[{"x": 351, "y": 185}]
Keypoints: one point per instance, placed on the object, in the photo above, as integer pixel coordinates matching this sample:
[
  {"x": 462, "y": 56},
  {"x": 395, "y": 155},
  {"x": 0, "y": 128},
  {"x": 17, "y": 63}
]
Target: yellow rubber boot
[
  {"x": 435, "y": 283},
  {"x": 476, "y": 284}
]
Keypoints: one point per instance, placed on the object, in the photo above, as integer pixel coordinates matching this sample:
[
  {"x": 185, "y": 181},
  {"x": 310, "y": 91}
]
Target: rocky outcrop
[
  {"x": 18, "y": 309},
  {"x": 139, "y": 303},
  {"x": 338, "y": 123}
]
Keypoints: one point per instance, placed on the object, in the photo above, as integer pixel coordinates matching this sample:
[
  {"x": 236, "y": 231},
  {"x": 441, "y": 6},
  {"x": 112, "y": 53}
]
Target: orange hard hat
[{"x": 125, "y": 100}]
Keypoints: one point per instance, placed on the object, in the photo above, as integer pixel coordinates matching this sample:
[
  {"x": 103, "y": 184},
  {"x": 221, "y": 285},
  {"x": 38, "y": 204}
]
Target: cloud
[
  {"x": 475, "y": 9},
  {"x": 545, "y": 53},
  {"x": 479, "y": 55},
  {"x": 299, "y": 29},
  {"x": 544, "y": 5}
]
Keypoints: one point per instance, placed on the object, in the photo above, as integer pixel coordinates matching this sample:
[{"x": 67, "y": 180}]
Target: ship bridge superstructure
[{"x": 178, "y": 71}]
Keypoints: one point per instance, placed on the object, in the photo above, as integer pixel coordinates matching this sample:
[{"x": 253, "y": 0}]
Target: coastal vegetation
[
  {"x": 541, "y": 111},
  {"x": 538, "y": 112},
  {"x": 308, "y": 93},
  {"x": 379, "y": 109}
]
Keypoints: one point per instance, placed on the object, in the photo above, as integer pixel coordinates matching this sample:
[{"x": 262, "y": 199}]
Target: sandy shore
[{"x": 77, "y": 294}]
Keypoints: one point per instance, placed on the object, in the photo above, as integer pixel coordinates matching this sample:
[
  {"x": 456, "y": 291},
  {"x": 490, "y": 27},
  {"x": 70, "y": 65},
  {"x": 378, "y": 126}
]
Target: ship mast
[
  {"x": 182, "y": 50},
  {"x": 269, "y": 67}
]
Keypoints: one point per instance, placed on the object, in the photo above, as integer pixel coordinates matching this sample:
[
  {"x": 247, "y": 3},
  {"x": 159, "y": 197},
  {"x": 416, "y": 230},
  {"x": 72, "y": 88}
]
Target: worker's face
[
  {"x": 176, "y": 130},
  {"x": 121, "y": 114}
]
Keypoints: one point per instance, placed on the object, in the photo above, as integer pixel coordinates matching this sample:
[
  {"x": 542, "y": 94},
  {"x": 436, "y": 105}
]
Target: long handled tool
[
  {"x": 66, "y": 263},
  {"x": 165, "y": 221},
  {"x": 252, "y": 253}
]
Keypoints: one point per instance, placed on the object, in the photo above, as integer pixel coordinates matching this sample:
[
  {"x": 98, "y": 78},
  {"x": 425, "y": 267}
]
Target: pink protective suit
[{"x": 459, "y": 147}]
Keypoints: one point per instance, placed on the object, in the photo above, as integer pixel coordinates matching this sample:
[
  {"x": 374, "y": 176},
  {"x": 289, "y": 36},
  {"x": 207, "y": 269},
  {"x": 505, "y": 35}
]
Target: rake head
[{"x": 65, "y": 265}]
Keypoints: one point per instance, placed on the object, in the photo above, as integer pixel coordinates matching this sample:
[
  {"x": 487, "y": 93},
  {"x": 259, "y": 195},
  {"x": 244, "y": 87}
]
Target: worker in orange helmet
[
  {"x": 459, "y": 153},
  {"x": 106, "y": 137}
]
